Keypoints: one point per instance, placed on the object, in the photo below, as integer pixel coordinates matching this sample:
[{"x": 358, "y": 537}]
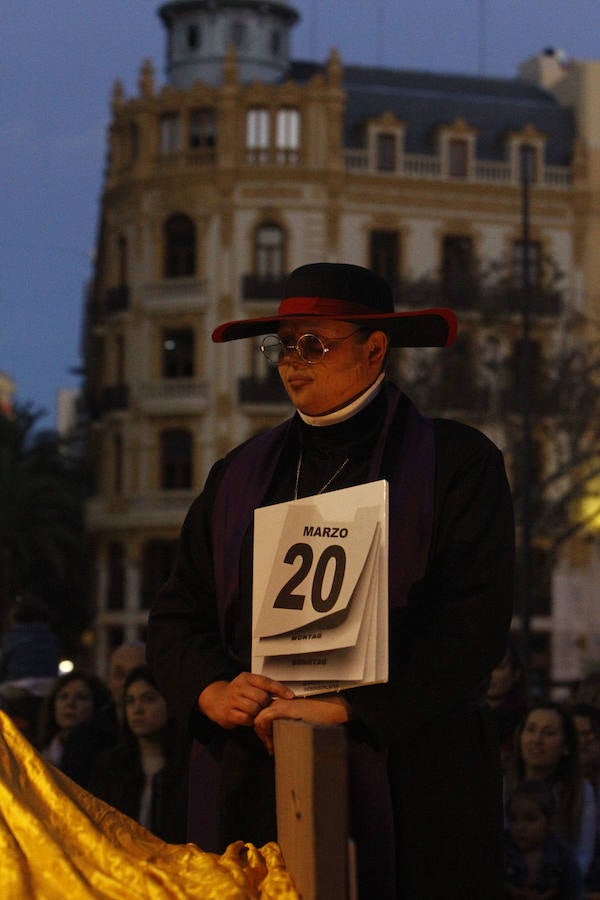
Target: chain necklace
[{"x": 327, "y": 483}]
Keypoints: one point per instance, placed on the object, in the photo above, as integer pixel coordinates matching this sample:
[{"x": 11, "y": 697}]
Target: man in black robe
[{"x": 425, "y": 791}]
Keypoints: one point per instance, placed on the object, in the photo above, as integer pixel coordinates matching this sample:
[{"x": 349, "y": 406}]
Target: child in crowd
[{"x": 537, "y": 863}]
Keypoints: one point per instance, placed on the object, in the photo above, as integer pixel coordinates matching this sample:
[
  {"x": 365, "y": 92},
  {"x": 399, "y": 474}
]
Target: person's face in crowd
[
  {"x": 73, "y": 704},
  {"x": 145, "y": 709},
  {"x": 348, "y": 369},
  {"x": 501, "y": 681},
  {"x": 124, "y": 660},
  {"x": 588, "y": 743},
  {"x": 528, "y": 824},
  {"x": 542, "y": 742}
]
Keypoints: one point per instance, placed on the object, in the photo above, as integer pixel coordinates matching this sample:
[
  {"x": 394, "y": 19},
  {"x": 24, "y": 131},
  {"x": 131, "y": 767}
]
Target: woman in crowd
[
  {"x": 73, "y": 699},
  {"x": 546, "y": 750},
  {"x": 143, "y": 776}
]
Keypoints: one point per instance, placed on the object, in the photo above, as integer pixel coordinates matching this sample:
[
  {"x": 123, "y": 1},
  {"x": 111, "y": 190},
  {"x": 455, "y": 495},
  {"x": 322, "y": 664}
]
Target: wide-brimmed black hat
[{"x": 353, "y": 294}]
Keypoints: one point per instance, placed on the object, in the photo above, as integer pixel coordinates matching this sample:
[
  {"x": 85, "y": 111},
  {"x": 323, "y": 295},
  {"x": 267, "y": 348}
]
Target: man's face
[
  {"x": 588, "y": 743},
  {"x": 343, "y": 373},
  {"x": 122, "y": 662}
]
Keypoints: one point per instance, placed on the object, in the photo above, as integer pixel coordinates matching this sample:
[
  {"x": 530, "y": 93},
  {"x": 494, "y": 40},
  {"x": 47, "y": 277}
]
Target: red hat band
[{"x": 323, "y": 306}]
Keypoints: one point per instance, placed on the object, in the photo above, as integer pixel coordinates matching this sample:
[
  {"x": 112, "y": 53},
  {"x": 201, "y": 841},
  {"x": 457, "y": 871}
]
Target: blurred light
[{"x": 65, "y": 666}]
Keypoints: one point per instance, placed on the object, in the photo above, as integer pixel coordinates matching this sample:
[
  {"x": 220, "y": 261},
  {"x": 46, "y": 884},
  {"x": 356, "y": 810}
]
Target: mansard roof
[{"x": 424, "y": 101}]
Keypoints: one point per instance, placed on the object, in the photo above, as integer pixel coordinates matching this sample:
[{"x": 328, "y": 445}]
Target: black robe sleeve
[
  {"x": 183, "y": 647},
  {"x": 453, "y": 632}
]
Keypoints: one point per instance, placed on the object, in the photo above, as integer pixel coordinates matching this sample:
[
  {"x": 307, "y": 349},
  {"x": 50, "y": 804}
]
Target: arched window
[
  {"x": 269, "y": 251},
  {"x": 179, "y": 247},
  {"x": 175, "y": 459}
]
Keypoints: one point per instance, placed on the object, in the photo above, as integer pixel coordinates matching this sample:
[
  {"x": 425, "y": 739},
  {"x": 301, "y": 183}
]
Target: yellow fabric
[{"x": 57, "y": 841}]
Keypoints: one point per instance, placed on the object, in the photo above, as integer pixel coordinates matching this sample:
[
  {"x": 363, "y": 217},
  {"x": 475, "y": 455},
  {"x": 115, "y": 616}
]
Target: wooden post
[{"x": 311, "y": 781}]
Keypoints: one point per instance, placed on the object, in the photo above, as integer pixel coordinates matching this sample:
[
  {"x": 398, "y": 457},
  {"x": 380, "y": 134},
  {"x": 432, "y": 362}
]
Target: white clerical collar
[{"x": 346, "y": 412}]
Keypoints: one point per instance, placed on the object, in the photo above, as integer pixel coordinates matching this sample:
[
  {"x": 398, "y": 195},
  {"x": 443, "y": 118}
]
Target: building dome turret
[{"x": 200, "y": 31}]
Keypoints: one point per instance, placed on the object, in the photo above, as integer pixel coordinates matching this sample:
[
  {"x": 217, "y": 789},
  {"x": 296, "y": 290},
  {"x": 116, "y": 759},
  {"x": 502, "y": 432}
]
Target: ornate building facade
[{"x": 246, "y": 164}]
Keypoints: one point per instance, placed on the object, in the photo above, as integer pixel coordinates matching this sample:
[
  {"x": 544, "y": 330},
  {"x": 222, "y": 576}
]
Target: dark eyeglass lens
[
  {"x": 272, "y": 347},
  {"x": 310, "y": 347}
]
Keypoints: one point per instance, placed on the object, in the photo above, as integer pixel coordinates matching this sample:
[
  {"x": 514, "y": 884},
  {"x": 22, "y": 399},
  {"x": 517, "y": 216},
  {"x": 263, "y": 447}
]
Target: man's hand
[
  {"x": 330, "y": 709},
  {"x": 238, "y": 702}
]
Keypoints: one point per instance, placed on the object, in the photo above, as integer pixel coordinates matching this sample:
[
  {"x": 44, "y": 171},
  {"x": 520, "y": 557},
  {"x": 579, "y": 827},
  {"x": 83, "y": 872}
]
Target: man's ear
[{"x": 377, "y": 344}]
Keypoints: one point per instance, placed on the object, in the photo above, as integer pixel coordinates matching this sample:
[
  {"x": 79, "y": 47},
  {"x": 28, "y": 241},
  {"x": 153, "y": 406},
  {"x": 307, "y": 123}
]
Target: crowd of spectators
[
  {"x": 115, "y": 737},
  {"x": 111, "y": 736},
  {"x": 551, "y": 761}
]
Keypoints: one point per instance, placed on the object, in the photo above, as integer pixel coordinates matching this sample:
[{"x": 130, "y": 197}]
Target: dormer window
[
  {"x": 528, "y": 163},
  {"x": 386, "y": 152},
  {"x": 385, "y": 143},
  {"x": 458, "y": 158},
  {"x": 456, "y": 147},
  {"x": 525, "y": 151}
]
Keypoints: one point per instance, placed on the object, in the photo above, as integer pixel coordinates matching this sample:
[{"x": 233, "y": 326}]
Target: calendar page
[{"x": 320, "y": 591}]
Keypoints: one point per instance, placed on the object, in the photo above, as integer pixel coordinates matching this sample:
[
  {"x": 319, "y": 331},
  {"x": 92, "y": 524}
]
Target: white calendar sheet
[{"x": 320, "y": 591}]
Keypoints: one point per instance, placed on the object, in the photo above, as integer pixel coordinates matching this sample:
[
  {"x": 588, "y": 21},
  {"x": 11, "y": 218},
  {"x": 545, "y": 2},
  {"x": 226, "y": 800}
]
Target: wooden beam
[{"x": 311, "y": 781}]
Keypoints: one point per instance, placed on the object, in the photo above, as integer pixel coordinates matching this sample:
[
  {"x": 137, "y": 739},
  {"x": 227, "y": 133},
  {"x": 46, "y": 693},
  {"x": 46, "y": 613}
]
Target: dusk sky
[{"x": 58, "y": 64}]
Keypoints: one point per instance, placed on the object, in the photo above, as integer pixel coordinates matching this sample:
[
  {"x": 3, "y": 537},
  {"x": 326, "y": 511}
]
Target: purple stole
[
  {"x": 404, "y": 454},
  {"x": 411, "y": 476}
]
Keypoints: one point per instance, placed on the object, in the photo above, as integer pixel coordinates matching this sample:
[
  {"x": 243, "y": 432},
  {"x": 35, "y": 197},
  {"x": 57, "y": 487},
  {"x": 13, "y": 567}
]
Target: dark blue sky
[{"x": 58, "y": 63}]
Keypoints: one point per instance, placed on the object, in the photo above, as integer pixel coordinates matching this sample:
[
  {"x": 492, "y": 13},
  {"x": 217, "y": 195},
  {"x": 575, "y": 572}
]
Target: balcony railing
[
  {"x": 269, "y": 156},
  {"x": 174, "y": 396},
  {"x": 175, "y": 295},
  {"x": 429, "y": 166}
]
